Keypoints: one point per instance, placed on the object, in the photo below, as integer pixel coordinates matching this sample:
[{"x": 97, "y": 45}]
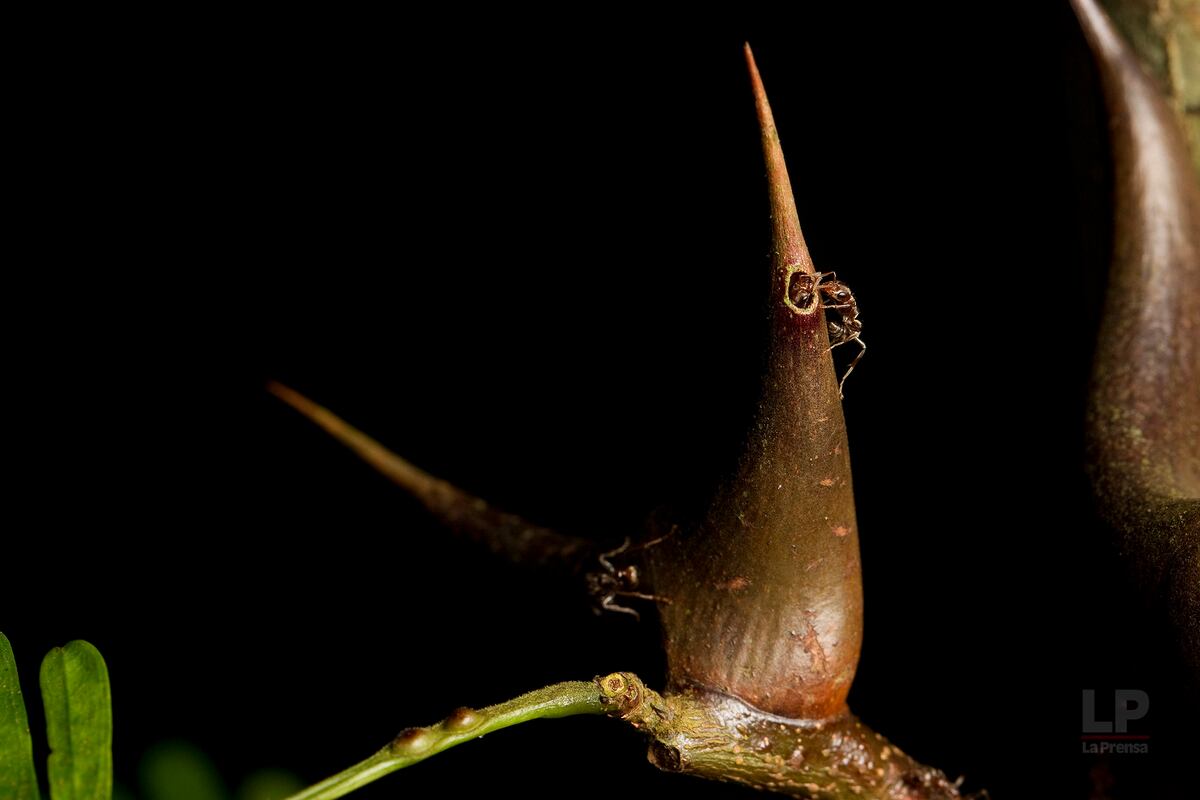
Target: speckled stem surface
[
  {"x": 766, "y": 592},
  {"x": 1144, "y": 416},
  {"x": 721, "y": 738}
]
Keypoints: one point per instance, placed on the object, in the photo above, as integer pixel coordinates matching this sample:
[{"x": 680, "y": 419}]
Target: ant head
[
  {"x": 840, "y": 293},
  {"x": 802, "y": 289},
  {"x": 628, "y": 577}
]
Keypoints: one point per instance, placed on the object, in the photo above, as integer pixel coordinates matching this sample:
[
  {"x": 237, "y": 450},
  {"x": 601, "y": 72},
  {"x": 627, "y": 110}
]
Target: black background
[{"x": 529, "y": 253}]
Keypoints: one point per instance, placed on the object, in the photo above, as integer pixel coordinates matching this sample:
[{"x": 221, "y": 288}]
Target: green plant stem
[{"x": 417, "y": 744}]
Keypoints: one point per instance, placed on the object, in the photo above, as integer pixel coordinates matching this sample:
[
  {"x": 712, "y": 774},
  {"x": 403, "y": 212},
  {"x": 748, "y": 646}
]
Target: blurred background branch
[{"x": 1166, "y": 36}]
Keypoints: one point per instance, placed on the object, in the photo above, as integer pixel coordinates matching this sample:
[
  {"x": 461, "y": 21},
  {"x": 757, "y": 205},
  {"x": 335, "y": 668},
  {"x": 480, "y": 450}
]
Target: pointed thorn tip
[{"x": 755, "y": 78}]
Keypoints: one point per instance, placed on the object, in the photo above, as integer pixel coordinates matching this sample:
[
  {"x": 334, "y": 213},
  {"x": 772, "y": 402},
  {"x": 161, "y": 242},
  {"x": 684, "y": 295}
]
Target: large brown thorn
[
  {"x": 1144, "y": 417},
  {"x": 504, "y": 534}
]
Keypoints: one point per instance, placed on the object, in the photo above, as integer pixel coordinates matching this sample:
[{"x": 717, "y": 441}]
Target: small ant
[
  {"x": 613, "y": 582},
  {"x": 805, "y": 289}
]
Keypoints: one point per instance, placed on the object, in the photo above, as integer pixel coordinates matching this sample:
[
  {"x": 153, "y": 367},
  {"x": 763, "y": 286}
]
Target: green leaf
[
  {"x": 78, "y": 705},
  {"x": 18, "y": 779}
]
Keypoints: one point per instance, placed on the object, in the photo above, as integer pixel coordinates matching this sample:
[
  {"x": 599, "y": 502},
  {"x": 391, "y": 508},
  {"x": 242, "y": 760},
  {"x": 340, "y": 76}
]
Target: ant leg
[
  {"x": 610, "y": 605},
  {"x": 834, "y": 341},
  {"x": 842, "y": 316},
  {"x": 604, "y": 557},
  {"x": 652, "y": 542},
  {"x": 643, "y": 596},
  {"x": 850, "y": 369}
]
